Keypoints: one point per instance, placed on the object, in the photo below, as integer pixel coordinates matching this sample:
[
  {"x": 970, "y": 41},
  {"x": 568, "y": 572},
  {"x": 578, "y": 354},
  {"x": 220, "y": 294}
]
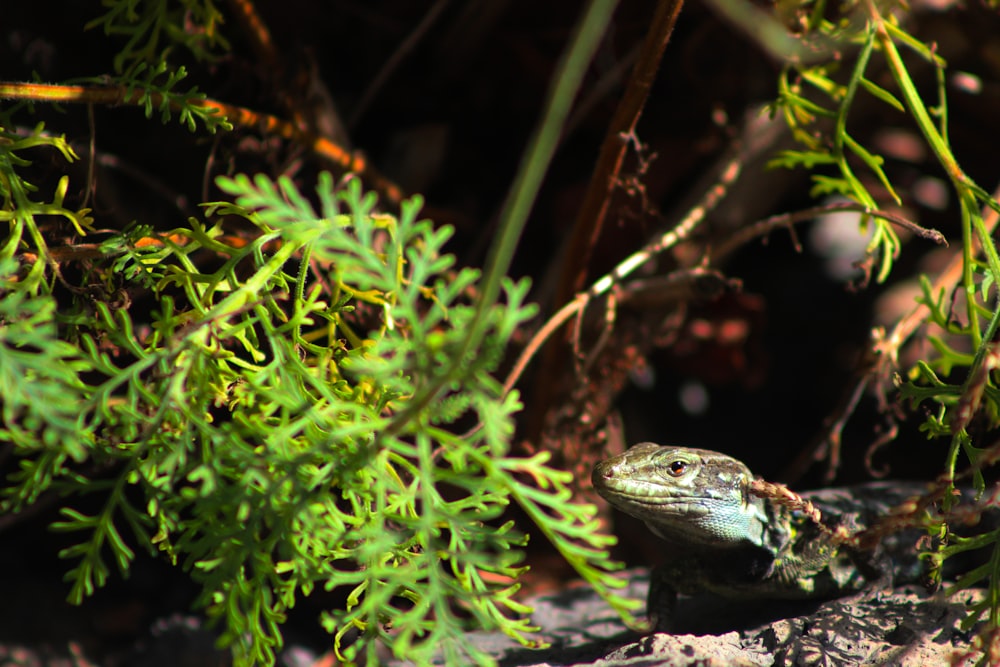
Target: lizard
[{"x": 724, "y": 539}]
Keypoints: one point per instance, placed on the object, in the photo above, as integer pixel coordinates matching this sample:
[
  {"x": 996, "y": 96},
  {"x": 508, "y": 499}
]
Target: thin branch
[
  {"x": 605, "y": 177},
  {"x": 729, "y": 172},
  {"x": 566, "y": 83},
  {"x": 91, "y": 187},
  {"x": 767, "y": 225},
  {"x": 323, "y": 148},
  {"x": 291, "y": 92},
  {"x": 257, "y": 33},
  {"x": 397, "y": 57},
  {"x": 882, "y": 358},
  {"x": 663, "y": 242},
  {"x": 601, "y": 89}
]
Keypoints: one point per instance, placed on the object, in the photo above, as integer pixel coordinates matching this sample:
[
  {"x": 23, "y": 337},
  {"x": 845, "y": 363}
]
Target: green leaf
[{"x": 881, "y": 93}]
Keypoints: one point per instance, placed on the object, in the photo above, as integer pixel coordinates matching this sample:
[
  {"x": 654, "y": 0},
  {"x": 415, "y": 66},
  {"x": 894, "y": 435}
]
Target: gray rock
[{"x": 904, "y": 627}]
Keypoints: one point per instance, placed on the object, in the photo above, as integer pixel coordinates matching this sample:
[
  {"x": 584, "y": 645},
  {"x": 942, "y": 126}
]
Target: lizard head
[{"x": 690, "y": 497}]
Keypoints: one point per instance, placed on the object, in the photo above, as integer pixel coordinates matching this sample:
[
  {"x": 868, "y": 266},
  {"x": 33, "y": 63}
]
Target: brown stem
[
  {"x": 767, "y": 225},
  {"x": 257, "y": 33},
  {"x": 594, "y": 208},
  {"x": 323, "y": 148},
  {"x": 605, "y": 177}
]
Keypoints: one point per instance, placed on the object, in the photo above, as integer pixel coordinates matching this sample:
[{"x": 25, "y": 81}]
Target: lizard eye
[{"x": 676, "y": 468}]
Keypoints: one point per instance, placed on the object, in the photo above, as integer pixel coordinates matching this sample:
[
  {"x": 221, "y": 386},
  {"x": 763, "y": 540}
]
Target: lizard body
[{"x": 723, "y": 539}]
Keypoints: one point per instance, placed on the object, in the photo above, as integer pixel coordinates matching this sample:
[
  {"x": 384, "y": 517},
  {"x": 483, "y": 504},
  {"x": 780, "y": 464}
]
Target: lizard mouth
[{"x": 631, "y": 494}]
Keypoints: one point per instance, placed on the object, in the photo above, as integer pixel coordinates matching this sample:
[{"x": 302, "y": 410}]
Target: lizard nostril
[{"x": 602, "y": 474}]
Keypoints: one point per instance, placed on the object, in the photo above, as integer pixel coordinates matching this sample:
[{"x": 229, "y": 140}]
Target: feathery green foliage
[
  {"x": 811, "y": 92},
  {"x": 238, "y": 422},
  {"x": 250, "y": 414},
  {"x": 152, "y": 29}
]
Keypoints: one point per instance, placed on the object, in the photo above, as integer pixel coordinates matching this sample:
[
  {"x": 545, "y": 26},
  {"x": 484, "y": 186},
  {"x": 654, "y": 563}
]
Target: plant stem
[
  {"x": 967, "y": 191},
  {"x": 325, "y": 149},
  {"x": 541, "y": 148}
]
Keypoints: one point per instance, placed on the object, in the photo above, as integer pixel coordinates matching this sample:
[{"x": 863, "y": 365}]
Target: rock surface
[{"x": 903, "y": 627}]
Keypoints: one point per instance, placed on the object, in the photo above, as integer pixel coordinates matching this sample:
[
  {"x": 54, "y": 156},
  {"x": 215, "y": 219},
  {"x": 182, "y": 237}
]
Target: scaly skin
[{"x": 724, "y": 540}]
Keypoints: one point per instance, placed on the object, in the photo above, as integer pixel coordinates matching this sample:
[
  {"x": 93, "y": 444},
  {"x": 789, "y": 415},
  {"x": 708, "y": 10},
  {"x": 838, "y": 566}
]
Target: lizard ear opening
[{"x": 745, "y": 493}]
